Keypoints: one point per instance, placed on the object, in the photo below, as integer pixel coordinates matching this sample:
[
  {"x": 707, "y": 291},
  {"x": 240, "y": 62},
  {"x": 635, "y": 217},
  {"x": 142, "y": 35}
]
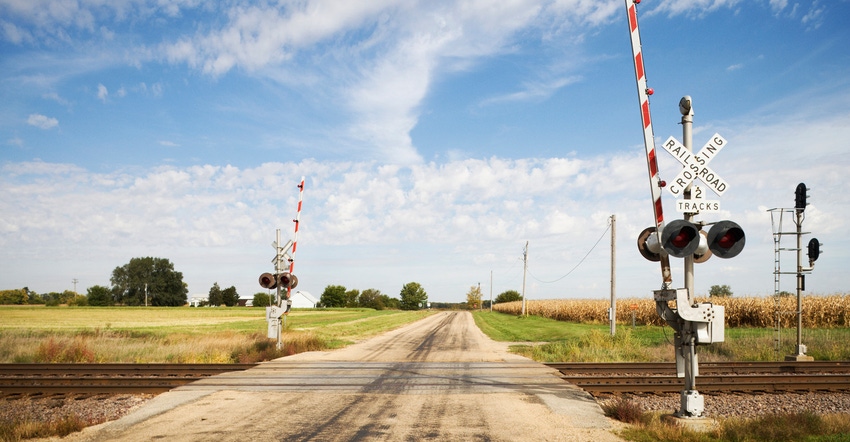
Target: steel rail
[
  {"x": 745, "y": 377},
  {"x": 47, "y": 379},
  {"x": 704, "y": 367},
  {"x": 121, "y": 369},
  {"x": 714, "y": 384}
]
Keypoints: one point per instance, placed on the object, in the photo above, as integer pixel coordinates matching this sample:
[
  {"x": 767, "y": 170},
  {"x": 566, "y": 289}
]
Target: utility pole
[
  {"x": 75, "y": 281},
  {"x": 491, "y": 291},
  {"x": 801, "y": 348},
  {"x": 524, "y": 270},
  {"x": 613, "y": 314}
]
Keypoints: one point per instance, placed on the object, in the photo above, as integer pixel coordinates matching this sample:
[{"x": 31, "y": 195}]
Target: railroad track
[
  {"x": 714, "y": 378},
  {"x": 596, "y": 378},
  {"x": 89, "y": 379}
]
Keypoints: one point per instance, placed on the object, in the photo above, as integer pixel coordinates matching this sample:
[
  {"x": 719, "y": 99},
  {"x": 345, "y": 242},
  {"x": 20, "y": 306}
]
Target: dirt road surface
[{"x": 436, "y": 379}]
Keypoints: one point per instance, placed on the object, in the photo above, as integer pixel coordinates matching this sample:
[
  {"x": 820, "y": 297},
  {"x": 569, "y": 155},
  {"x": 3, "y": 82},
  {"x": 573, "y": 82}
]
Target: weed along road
[{"x": 437, "y": 379}]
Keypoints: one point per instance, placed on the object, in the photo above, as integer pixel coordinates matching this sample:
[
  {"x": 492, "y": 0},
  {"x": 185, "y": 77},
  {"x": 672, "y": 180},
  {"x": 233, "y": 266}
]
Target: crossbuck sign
[{"x": 696, "y": 165}]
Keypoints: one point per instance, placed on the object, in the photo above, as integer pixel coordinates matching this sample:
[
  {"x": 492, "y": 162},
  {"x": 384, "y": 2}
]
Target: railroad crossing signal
[
  {"x": 682, "y": 238},
  {"x": 800, "y": 197},
  {"x": 696, "y": 165},
  {"x": 813, "y": 250},
  {"x": 284, "y": 280}
]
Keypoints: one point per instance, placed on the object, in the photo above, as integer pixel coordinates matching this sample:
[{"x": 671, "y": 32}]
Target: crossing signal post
[
  {"x": 813, "y": 250},
  {"x": 694, "y": 323},
  {"x": 283, "y": 280}
]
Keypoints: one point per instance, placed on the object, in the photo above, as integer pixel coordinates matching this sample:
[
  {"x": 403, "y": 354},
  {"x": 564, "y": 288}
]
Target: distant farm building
[
  {"x": 303, "y": 300},
  {"x": 198, "y": 300}
]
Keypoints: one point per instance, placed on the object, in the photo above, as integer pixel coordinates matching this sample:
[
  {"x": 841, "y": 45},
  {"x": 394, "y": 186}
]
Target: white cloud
[
  {"x": 814, "y": 18},
  {"x": 15, "y": 141},
  {"x": 533, "y": 91},
  {"x": 374, "y": 60},
  {"x": 42, "y": 121},
  {"x": 367, "y": 224},
  {"x": 102, "y": 93},
  {"x": 697, "y": 8},
  {"x": 57, "y": 98},
  {"x": 15, "y": 34}
]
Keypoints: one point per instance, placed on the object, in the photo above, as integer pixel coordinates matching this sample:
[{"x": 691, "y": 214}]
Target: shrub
[{"x": 624, "y": 410}]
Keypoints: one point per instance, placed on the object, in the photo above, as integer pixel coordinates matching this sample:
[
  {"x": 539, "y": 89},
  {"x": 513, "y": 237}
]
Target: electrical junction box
[
  {"x": 273, "y": 315},
  {"x": 693, "y": 403},
  {"x": 713, "y": 330}
]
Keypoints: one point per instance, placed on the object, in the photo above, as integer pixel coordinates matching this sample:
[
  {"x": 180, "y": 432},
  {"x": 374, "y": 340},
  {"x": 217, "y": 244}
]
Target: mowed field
[{"x": 180, "y": 334}]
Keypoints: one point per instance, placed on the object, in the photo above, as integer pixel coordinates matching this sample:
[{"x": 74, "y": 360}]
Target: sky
[{"x": 436, "y": 139}]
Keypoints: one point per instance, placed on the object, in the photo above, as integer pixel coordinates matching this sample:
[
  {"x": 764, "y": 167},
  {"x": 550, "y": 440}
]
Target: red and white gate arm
[
  {"x": 648, "y": 137},
  {"x": 297, "y": 221}
]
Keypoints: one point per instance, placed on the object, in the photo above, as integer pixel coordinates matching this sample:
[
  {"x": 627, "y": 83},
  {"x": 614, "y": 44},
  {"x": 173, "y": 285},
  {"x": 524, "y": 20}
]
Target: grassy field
[
  {"x": 183, "y": 334},
  {"x": 550, "y": 340}
]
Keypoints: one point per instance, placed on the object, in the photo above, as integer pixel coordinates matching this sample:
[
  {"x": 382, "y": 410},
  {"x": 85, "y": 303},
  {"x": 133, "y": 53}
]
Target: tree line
[
  {"x": 142, "y": 281},
  {"x": 411, "y": 297},
  {"x": 150, "y": 281}
]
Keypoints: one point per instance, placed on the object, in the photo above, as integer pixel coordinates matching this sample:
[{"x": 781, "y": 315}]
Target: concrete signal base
[
  {"x": 698, "y": 424},
  {"x": 799, "y": 358}
]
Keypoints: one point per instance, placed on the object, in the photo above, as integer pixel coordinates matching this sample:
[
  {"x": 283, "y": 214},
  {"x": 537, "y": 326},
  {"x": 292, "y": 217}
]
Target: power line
[{"x": 579, "y": 263}]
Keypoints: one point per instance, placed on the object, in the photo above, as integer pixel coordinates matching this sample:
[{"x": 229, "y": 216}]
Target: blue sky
[{"x": 436, "y": 138}]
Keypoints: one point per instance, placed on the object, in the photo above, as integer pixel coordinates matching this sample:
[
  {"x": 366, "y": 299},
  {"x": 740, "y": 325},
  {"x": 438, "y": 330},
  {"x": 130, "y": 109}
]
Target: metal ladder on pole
[{"x": 776, "y": 219}]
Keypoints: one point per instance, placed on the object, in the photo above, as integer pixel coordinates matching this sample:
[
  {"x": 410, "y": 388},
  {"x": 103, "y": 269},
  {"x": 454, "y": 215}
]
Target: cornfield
[{"x": 818, "y": 311}]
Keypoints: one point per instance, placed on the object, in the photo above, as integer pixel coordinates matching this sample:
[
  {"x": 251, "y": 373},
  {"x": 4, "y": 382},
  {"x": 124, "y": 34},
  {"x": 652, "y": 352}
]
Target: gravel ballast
[{"x": 750, "y": 405}]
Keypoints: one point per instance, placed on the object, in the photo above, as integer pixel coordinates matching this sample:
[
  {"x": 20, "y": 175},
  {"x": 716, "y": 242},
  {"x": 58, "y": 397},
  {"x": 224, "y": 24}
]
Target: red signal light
[
  {"x": 680, "y": 238},
  {"x": 726, "y": 239},
  {"x": 268, "y": 281}
]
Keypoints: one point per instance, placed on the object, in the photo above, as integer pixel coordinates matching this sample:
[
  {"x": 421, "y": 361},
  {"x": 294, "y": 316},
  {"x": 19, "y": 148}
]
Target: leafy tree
[
  {"x": 79, "y": 301},
  {"x": 15, "y": 296},
  {"x": 34, "y": 298},
  {"x": 262, "y": 300},
  {"x": 229, "y": 296},
  {"x": 165, "y": 286},
  {"x": 371, "y": 298},
  {"x": 215, "y": 296},
  {"x": 352, "y": 298},
  {"x": 99, "y": 296},
  {"x": 473, "y": 297},
  {"x": 412, "y": 296},
  {"x": 508, "y": 296},
  {"x": 55, "y": 298},
  {"x": 333, "y": 296},
  {"x": 720, "y": 291},
  {"x": 390, "y": 303}
]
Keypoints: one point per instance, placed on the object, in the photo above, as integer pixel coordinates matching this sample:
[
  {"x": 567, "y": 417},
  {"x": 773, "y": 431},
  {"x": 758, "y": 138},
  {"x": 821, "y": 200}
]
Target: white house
[
  {"x": 303, "y": 300},
  {"x": 196, "y": 300}
]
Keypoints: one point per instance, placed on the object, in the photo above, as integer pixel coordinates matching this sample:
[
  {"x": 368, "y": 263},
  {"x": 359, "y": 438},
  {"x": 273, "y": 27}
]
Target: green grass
[
  {"x": 549, "y": 340},
  {"x": 509, "y": 328}
]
